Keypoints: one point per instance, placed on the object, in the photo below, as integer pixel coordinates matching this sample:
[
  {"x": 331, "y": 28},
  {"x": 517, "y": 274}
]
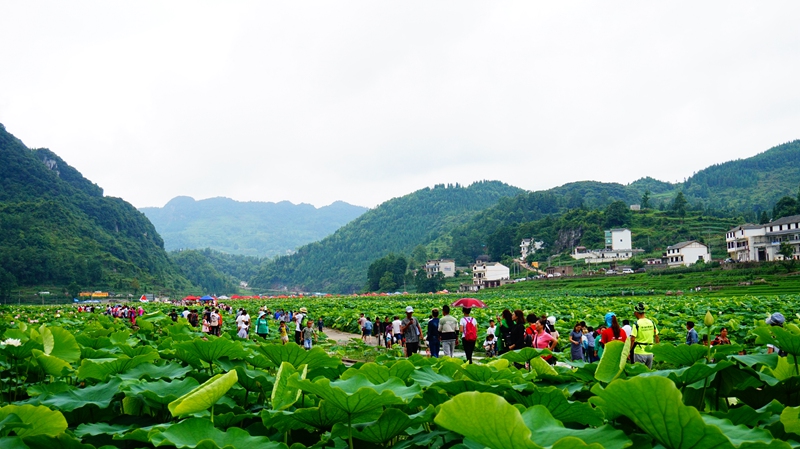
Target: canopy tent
[
  {"x": 223, "y": 297},
  {"x": 207, "y": 298},
  {"x": 191, "y": 298}
]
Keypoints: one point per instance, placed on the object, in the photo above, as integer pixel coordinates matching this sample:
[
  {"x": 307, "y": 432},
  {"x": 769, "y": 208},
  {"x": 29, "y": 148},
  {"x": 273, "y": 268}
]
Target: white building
[
  {"x": 618, "y": 239},
  {"x": 761, "y": 243},
  {"x": 618, "y": 247},
  {"x": 528, "y": 247},
  {"x": 445, "y": 266},
  {"x": 489, "y": 274},
  {"x": 687, "y": 253}
]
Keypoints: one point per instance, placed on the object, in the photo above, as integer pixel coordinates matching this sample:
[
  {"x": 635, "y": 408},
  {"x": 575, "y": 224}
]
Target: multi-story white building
[
  {"x": 618, "y": 239},
  {"x": 687, "y": 253},
  {"x": 761, "y": 243},
  {"x": 618, "y": 247},
  {"x": 528, "y": 246},
  {"x": 445, "y": 266},
  {"x": 489, "y": 274}
]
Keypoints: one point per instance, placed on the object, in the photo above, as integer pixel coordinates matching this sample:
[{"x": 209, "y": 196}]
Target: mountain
[
  {"x": 339, "y": 262},
  {"x": 257, "y": 229},
  {"x": 57, "y": 228}
]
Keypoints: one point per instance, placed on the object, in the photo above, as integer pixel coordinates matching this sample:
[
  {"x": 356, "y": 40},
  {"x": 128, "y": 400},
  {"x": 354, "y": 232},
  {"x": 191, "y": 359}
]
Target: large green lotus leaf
[
  {"x": 153, "y": 317},
  {"x": 315, "y": 358},
  {"x": 612, "y": 363},
  {"x": 100, "y": 395},
  {"x": 151, "y": 371},
  {"x": 790, "y": 418},
  {"x": 740, "y": 434},
  {"x": 691, "y": 374},
  {"x": 749, "y": 416},
  {"x": 784, "y": 369},
  {"x": 483, "y": 373},
  {"x": 548, "y": 430},
  {"x": 402, "y": 369},
  {"x": 48, "y": 389},
  {"x": 426, "y": 377},
  {"x": 681, "y": 355},
  {"x": 101, "y": 428},
  {"x": 663, "y": 416},
  {"x": 161, "y": 392},
  {"x": 41, "y": 419},
  {"x": 52, "y": 365},
  {"x": 556, "y": 402},
  {"x": 11, "y": 421},
  {"x": 62, "y": 441},
  {"x": 783, "y": 338},
  {"x": 254, "y": 379},
  {"x": 525, "y": 355},
  {"x": 283, "y": 395},
  {"x": 322, "y": 417},
  {"x": 101, "y": 371},
  {"x": 358, "y": 395},
  {"x": 487, "y": 419},
  {"x": 88, "y": 341},
  {"x": 542, "y": 368},
  {"x": 770, "y": 360},
  {"x": 201, "y": 433},
  {"x": 123, "y": 337},
  {"x": 133, "y": 351},
  {"x": 204, "y": 396},
  {"x": 391, "y": 423},
  {"x": 60, "y": 343},
  {"x": 372, "y": 371},
  {"x": 209, "y": 351},
  {"x": 12, "y": 443}
]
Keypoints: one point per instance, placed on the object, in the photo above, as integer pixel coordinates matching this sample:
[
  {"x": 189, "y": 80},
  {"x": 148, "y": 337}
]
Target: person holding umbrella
[{"x": 469, "y": 333}]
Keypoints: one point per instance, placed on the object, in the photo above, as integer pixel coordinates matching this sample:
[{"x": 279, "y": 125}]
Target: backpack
[
  {"x": 470, "y": 330},
  {"x": 528, "y": 342}
]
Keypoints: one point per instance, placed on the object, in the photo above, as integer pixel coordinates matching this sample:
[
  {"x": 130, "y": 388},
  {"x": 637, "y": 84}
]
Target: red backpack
[{"x": 470, "y": 330}]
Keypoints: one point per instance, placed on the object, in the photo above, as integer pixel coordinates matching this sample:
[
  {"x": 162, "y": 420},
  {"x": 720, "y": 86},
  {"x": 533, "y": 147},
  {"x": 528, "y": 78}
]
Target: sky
[{"x": 315, "y": 102}]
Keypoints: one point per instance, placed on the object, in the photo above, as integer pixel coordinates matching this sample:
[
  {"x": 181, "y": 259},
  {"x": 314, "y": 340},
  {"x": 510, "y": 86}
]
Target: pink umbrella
[{"x": 469, "y": 302}]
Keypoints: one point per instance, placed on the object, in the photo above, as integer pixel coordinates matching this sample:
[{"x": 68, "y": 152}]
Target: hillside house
[
  {"x": 560, "y": 271},
  {"x": 684, "y": 254},
  {"x": 528, "y": 247},
  {"x": 761, "y": 243},
  {"x": 618, "y": 247},
  {"x": 445, "y": 266},
  {"x": 488, "y": 275}
]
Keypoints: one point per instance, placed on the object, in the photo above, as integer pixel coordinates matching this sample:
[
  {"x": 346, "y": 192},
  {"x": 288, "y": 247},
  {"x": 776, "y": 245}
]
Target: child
[
  {"x": 282, "y": 331},
  {"x": 490, "y": 346},
  {"x": 388, "y": 336},
  {"x": 308, "y": 334},
  {"x": 320, "y": 324}
]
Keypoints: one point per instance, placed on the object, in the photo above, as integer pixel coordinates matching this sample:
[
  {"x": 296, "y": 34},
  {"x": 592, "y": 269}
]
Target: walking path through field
[{"x": 345, "y": 337}]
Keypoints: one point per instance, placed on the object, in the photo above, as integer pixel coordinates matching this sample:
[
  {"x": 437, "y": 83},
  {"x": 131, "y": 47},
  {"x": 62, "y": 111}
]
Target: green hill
[
  {"x": 56, "y": 228},
  {"x": 258, "y": 229},
  {"x": 339, "y": 262}
]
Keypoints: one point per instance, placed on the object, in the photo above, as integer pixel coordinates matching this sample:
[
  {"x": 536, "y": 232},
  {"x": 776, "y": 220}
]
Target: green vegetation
[
  {"x": 56, "y": 228},
  {"x": 339, "y": 263},
  {"x": 257, "y": 229}
]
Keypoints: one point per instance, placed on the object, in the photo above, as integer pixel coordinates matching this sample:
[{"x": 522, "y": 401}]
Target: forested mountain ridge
[
  {"x": 259, "y": 229},
  {"x": 57, "y": 228},
  {"x": 339, "y": 262}
]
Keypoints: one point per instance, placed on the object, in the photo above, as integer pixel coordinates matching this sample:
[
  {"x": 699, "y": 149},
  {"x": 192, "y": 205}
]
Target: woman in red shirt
[{"x": 613, "y": 332}]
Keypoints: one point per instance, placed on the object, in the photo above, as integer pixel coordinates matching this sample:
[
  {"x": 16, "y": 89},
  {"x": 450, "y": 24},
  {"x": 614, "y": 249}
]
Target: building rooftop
[
  {"x": 745, "y": 226},
  {"x": 684, "y": 244},
  {"x": 784, "y": 220}
]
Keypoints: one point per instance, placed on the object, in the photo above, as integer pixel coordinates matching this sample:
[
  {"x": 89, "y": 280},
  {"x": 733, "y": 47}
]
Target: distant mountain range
[
  {"x": 57, "y": 228},
  {"x": 258, "y": 229}
]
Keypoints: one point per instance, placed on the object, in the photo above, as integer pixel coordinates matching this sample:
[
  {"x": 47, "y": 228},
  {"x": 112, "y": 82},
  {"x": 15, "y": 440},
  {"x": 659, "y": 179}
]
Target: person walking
[
  {"x": 433, "y": 333},
  {"x": 262, "y": 325},
  {"x": 506, "y": 322},
  {"x": 469, "y": 332},
  {"x": 448, "y": 328},
  {"x": 396, "y": 330},
  {"x": 691, "y": 334},
  {"x": 298, "y": 326},
  {"x": 643, "y": 333},
  {"x": 576, "y": 348},
  {"x": 411, "y": 332},
  {"x": 308, "y": 335}
]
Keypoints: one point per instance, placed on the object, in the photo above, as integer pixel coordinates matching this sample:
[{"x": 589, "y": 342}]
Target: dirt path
[{"x": 344, "y": 337}]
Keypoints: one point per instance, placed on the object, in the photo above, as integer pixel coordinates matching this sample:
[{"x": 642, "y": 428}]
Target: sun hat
[
  {"x": 776, "y": 319},
  {"x": 551, "y": 320},
  {"x": 608, "y": 317},
  {"x": 303, "y": 309},
  {"x": 409, "y": 309}
]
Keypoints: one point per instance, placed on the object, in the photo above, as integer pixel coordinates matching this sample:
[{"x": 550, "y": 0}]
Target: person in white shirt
[
  {"x": 298, "y": 327},
  {"x": 626, "y": 326},
  {"x": 491, "y": 329},
  {"x": 185, "y": 312},
  {"x": 396, "y": 324},
  {"x": 243, "y": 324}
]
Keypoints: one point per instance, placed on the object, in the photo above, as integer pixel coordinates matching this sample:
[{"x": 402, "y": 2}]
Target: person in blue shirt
[{"x": 691, "y": 334}]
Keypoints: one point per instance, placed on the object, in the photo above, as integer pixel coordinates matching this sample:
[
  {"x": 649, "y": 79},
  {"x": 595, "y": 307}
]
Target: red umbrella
[{"x": 469, "y": 302}]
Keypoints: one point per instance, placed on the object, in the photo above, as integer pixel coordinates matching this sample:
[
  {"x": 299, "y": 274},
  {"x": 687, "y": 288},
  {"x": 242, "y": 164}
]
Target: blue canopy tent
[{"x": 207, "y": 298}]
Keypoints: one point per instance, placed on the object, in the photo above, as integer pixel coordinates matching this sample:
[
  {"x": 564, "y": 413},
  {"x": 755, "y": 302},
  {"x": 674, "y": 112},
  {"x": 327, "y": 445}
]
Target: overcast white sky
[{"x": 364, "y": 101}]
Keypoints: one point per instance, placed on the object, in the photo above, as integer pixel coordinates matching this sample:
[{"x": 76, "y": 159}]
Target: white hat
[
  {"x": 409, "y": 309},
  {"x": 551, "y": 320}
]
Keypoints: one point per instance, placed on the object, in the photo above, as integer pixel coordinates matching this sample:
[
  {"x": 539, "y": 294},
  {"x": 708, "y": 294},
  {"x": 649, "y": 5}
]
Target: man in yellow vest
[{"x": 644, "y": 333}]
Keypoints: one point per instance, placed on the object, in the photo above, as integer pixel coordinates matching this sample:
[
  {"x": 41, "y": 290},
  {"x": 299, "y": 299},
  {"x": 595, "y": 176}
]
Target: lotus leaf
[
  {"x": 151, "y": 371},
  {"x": 391, "y": 423},
  {"x": 612, "y": 363},
  {"x": 41, "y": 420},
  {"x": 60, "y": 343},
  {"x": 525, "y": 355},
  {"x": 358, "y": 395},
  {"x": 204, "y": 396},
  {"x": 783, "y": 338},
  {"x": 548, "y": 431},
  {"x": 52, "y": 365},
  {"x": 210, "y": 351},
  {"x": 254, "y": 379},
  {"x": 100, "y": 395},
  {"x": 739, "y": 434},
  {"x": 283, "y": 395},
  {"x": 315, "y": 358},
  {"x": 322, "y": 417},
  {"x": 556, "y": 402},
  {"x": 201, "y": 433},
  {"x": 103, "y": 370},
  {"x": 681, "y": 355},
  {"x": 12, "y": 443},
  {"x": 161, "y": 392}
]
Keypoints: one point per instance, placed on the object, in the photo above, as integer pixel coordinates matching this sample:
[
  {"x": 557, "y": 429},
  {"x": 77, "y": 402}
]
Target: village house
[
  {"x": 560, "y": 271},
  {"x": 619, "y": 246},
  {"x": 687, "y": 253},
  {"x": 445, "y": 266},
  {"x": 761, "y": 243},
  {"x": 487, "y": 275},
  {"x": 528, "y": 247}
]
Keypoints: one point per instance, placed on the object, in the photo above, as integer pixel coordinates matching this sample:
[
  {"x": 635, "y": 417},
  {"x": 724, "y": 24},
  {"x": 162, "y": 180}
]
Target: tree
[
  {"x": 679, "y": 204},
  {"x": 7, "y": 283},
  {"x": 617, "y": 214},
  {"x": 645, "y": 203},
  {"x": 73, "y": 289},
  {"x": 764, "y": 219},
  {"x": 135, "y": 286},
  {"x": 424, "y": 284},
  {"x": 387, "y": 283},
  {"x": 785, "y": 207}
]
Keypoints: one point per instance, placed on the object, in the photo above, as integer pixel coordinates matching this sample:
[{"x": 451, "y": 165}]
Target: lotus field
[{"x": 83, "y": 380}]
